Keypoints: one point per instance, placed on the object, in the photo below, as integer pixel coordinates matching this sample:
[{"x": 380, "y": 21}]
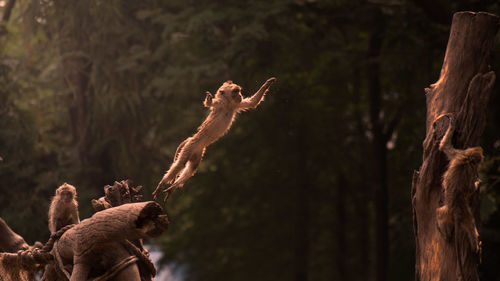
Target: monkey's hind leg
[
  {"x": 172, "y": 173},
  {"x": 179, "y": 149},
  {"x": 187, "y": 172},
  {"x": 180, "y": 159}
]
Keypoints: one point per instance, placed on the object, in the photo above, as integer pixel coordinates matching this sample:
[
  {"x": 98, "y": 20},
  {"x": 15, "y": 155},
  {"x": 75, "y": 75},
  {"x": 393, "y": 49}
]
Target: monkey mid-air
[
  {"x": 227, "y": 102},
  {"x": 63, "y": 208}
]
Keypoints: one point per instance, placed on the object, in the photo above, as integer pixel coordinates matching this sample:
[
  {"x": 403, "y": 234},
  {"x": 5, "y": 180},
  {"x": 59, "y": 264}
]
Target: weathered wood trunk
[
  {"x": 95, "y": 243},
  {"x": 462, "y": 91}
]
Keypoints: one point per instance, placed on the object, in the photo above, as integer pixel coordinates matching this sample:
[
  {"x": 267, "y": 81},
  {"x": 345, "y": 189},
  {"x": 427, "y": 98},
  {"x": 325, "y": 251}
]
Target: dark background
[{"x": 313, "y": 185}]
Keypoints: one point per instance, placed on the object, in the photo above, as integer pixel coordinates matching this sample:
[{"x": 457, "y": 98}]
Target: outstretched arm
[
  {"x": 208, "y": 99},
  {"x": 253, "y": 101},
  {"x": 445, "y": 145}
]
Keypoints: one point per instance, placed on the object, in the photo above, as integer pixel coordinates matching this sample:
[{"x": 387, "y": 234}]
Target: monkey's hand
[
  {"x": 208, "y": 99},
  {"x": 270, "y": 81},
  {"x": 445, "y": 145},
  {"x": 255, "y": 99},
  {"x": 268, "y": 84}
]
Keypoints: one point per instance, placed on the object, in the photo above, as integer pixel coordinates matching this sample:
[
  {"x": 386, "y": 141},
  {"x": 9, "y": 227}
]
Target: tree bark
[
  {"x": 96, "y": 243},
  {"x": 462, "y": 90},
  {"x": 129, "y": 221}
]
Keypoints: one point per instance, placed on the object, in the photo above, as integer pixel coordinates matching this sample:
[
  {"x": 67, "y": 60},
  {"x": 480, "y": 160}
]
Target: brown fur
[
  {"x": 63, "y": 208},
  {"x": 460, "y": 182},
  {"x": 224, "y": 107}
]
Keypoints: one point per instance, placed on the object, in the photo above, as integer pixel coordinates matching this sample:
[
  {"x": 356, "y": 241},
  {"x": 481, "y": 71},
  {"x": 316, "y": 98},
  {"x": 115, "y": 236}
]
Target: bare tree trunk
[{"x": 462, "y": 90}]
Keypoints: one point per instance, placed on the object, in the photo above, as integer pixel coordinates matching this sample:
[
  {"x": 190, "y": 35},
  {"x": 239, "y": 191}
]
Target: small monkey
[
  {"x": 224, "y": 107},
  {"x": 460, "y": 182},
  {"x": 63, "y": 208}
]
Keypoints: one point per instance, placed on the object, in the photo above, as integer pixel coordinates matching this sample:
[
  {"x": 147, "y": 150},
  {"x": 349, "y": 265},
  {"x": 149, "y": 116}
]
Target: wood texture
[
  {"x": 94, "y": 243},
  {"x": 462, "y": 91}
]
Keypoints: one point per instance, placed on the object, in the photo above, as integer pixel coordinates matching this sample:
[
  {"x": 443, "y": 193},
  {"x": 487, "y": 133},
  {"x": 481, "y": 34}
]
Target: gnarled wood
[
  {"x": 462, "y": 90},
  {"x": 119, "y": 193},
  {"x": 93, "y": 245},
  {"x": 106, "y": 246}
]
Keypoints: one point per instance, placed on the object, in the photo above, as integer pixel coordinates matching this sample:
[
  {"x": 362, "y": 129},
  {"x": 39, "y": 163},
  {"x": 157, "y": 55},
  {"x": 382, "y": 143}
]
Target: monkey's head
[
  {"x": 229, "y": 93},
  {"x": 470, "y": 158},
  {"x": 474, "y": 155},
  {"x": 66, "y": 192}
]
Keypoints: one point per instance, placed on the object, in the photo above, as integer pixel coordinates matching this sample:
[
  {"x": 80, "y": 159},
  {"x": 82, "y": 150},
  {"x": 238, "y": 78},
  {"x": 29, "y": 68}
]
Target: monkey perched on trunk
[
  {"x": 227, "y": 103},
  {"x": 460, "y": 182},
  {"x": 63, "y": 208}
]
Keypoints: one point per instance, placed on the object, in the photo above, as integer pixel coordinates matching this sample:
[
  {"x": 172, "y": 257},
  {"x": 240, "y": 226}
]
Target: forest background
[{"x": 313, "y": 185}]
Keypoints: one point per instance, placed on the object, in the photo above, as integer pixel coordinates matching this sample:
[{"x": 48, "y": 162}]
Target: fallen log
[{"x": 95, "y": 245}]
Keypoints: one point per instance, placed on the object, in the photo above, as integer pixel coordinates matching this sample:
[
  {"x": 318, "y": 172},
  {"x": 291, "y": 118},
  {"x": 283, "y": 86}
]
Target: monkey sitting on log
[
  {"x": 460, "y": 182},
  {"x": 224, "y": 107},
  {"x": 63, "y": 208}
]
